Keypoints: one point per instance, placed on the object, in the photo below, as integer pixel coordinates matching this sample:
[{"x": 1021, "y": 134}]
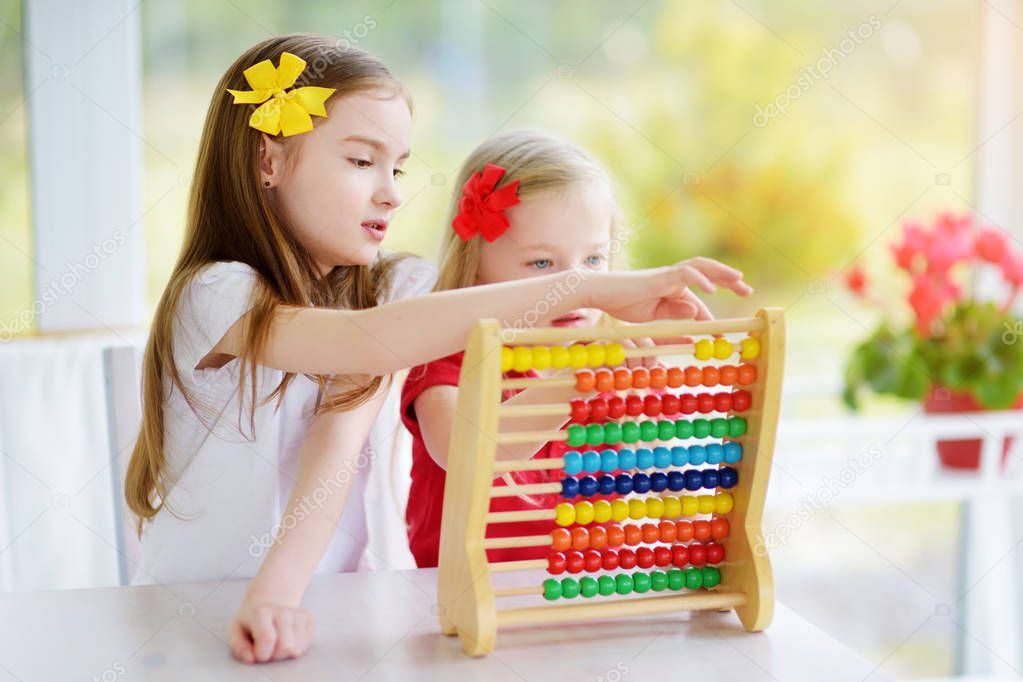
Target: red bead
[
  {"x": 697, "y": 554},
  {"x": 671, "y": 404},
  {"x": 715, "y": 553},
  {"x": 640, "y": 377},
  {"x": 747, "y": 374},
  {"x": 741, "y": 400},
  {"x": 694, "y": 376},
  {"x": 609, "y": 560},
  {"x": 719, "y": 528},
  {"x": 728, "y": 375},
  {"x": 705, "y": 402},
  {"x": 667, "y": 531},
  {"x": 556, "y": 563},
  {"x": 662, "y": 556},
  {"x": 598, "y": 537},
  {"x": 561, "y": 539},
  {"x": 580, "y": 537},
  {"x": 580, "y": 411},
  {"x": 679, "y": 555},
  {"x": 585, "y": 380},
  {"x": 598, "y": 410},
  {"x": 574, "y": 561},
  {"x": 722, "y": 402},
  {"x": 634, "y": 405},
  {"x": 710, "y": 376},
  {"x": 676, "y": 377},
  {"x": 626, "y": 558},
  {"x": 623, "y": 379},
  {"x": 658, "y": 377},
  {"x": 615, "y": 535},
  {"x": 701, "y": 530},
  {"x": 651, "y": 533},
  {"x": 633, "y": 534},
  {"x": 616, "y": 407},
  {"x": 645, "y": 557},
  {"x": 604, "y": 380},
  {"x": 689, "y": 403},
  {"x": 592, "y": 560},
  {"x": 651, "y": 406},
  {"x": 683, "y": 531}
]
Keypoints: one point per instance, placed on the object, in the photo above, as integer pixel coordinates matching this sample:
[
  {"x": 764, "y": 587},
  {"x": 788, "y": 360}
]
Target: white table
[{"x": 381, "y": 626}]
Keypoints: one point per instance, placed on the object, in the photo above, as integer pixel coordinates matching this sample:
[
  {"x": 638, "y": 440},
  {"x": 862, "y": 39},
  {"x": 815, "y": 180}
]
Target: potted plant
[{"x": 948, "y": 348}]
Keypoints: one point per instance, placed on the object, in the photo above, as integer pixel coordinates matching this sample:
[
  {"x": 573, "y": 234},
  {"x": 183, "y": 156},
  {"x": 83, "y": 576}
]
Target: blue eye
[
  {"x": 542, "y": 263},
  {"x": 595, "y": 261},
  {"x": 361, "y": 163}
]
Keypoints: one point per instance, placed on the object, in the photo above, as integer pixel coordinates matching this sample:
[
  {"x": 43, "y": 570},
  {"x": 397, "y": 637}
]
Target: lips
[
  {"x": 570, "y": 320},
  {"x": 375, "y": 228}
]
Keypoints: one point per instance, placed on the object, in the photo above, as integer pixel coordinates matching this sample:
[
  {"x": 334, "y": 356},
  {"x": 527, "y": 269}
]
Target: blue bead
[
  {"x": 679, "y": 456},
  {"x": 694, "y": 479},
  {"x": 569, "y": 487},
  {"x": 587, "y": 486},
  {"x": 626, "y": 459},
  {"x": 606, "y": 484},
  {"x": 710, "y": 478},
  {"x": 573, "y": 462},
  {"x": 676, "y": 481},
  {"x": 715, "y": 453},
  {"x": 697, "y": 454},
  {"x": 733, "y": 452},
  {"x": 591, "y": 462},
  {"x": 728, "y": 477},
  {"x": 641, "y": 483},
  {"x": 662, "y": 457},
  {"x": 608, "y": 461},
  {"x": 658, "y": 481},
  {"x": 644, "y": 458},
  {"x": 623, "y": 483}
]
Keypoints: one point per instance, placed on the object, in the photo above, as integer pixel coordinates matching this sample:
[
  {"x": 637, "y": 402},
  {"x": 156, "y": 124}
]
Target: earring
[{"x": 266, "y": 183}]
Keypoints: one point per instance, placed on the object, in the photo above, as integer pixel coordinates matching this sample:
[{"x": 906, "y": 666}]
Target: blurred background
[{"x": 789, "y": 139}]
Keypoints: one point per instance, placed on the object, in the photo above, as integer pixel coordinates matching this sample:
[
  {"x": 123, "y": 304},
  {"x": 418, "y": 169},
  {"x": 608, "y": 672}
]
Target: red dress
[{"x": 426, "y": 496}]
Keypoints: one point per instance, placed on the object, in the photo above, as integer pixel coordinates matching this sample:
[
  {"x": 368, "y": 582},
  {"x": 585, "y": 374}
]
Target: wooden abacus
[{"x": 731, "y": 572}]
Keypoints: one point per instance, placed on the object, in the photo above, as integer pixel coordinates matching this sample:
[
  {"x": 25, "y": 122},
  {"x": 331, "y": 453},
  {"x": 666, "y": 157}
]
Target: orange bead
[
  {"x": 747, "y": 374},
  {"x": 658, "y": 377},
  {"x": 676, "y": 377},
  {"x": 701, "y": 530},
  {"x": 667, "y": 531},
  {"x": 605, "y": 380},
  {"x": 694, "y": 377},
  {"x": 623, "y": 379},
  {"x": 728, "y": 374},
  {"x": 710, "y": 376},
  {"x": 650, "y": 533},
  {"x": 585, "y": 380},
  {"x": 633, "y": 534},
  {"x": 598, "y": 537},
  {"x": 580, "y": 538},
  {"x": 719, "y": 528},
  {"x": 683, "y": 531},
  {"x": 615, "y": 535},
  {"x": 640, "y": 377},
  {"x": 561, "y": 539}
]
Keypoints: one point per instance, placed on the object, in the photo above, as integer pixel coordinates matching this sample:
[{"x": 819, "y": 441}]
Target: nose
[{"x": 387, "y": 192}]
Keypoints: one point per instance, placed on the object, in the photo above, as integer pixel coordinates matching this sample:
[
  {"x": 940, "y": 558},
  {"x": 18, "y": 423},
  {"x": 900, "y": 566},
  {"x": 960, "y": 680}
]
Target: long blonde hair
[{"x": 230, "y": 219}]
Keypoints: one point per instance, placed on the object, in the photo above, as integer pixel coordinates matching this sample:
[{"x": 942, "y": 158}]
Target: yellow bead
[
  {"x": 523, "y": 359},
  {"x": 584, "y": 512},
  {"x": 614, "y": 354},
  {"x": 707, "y": 504},
  {"x": 654, "y": 507},
  {"x": 601, "y": 511},
  {"x": 723, "y": 348},
  {"x": 672, "y": 507},
  {"x": 507, "y": 359},
  {"x": 750, "y": 348},
  {"x": 690, "y": 505},
  {"x": 577, "y": 356},
  {"x": 619, "y": 510},
  {"x": 559, "y": 357},
  {"x": 637, "y": 508},
  {"x": 595, "y": 355},
  {"x": 541, "y": 357},
  {"x": 564, "y": 514},
  {"x": 704, "y": 349},
  {"x": 723, "y": 503}
]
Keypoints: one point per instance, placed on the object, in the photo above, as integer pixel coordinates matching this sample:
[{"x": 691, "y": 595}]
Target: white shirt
[{"x": 230, "y": 489}]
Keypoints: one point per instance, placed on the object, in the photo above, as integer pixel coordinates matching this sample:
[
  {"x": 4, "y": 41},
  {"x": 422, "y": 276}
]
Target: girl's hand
[{"x": 262, "y": 632}]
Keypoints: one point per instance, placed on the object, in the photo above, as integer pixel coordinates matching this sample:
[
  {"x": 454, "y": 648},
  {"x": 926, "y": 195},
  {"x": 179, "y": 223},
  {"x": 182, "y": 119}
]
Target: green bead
[
  {"x": 676, "y": 579},
  {"x": 576, "y": 435},
  {"x": 569, "y": 588},
  {"x": 701, "y": 428},
  {"x": 606, "y": 585},
  {"x": 551, "y": 589},
  {"x": 694, "y": 579},
  {"x": 665, "y": 430},
  {"x": 630, "y": 432},
  {"x": 595, "y": 434},
  {"x": 736, "y": 427},
  {"x": 588, "y": 586},
  {"x": 623, "y": 583},
  {"x": 641, "y": 582},
  {"x": 648, "y": 431},
  {"x": 719, "y": 427},
  {"x": 711, "y": 576},
  {"x": 658, "y": 580},
  {"x": 683, "y": 428},
  {"x": 612, "y": 433}
]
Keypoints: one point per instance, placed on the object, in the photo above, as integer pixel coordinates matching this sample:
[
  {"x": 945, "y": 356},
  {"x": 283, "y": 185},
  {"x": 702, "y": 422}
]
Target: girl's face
[
  {"x": 551, "y": 232},
  {"x": 335, "y": 185}
]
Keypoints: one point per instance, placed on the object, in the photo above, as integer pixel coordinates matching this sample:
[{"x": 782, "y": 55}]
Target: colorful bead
[
  {"x": 658, "y": 481},
  {"x": 683, "y": 429},
  {"x": 598, "y": 534},
  {"x": 564, "y": 514},
  {"x": 723, "y": 402},
  {"x": 723, "y": 503},
  {"x": 694, "y": 578},
  {"x": 619, "y": 510},
  {"x": 633, "y": 534},
  {"x": 576, "y": 435},
  {"x": 623, "y": 379},
  {"x": 569, "y": 487},
  {"x": 556, "y": 563},
  {"x": 662, "y": 556},
  {"x": 741, "y": 400},
  {"x": 644, "y": 458},
  {"x": 522, "y": 359},
  {"x": 658, "y": 377},
  {"x": 585, "y": 381},
  {"x": 728, "y": 478},
  {"x": 747, "y": 374},
  {"x": 616, "y": 535},
  {"x": 623, "y": 484},
  {"x": 569, "y": 588},
  {"x": 711, "y": 377},
  {"x": 630, "y": 432},
  {"x": 591, "y": 461},
  {"x": 704, "y": 349},
  {"x": 728, "y": 375},
  {"x": 706, "y": 503},
  {"x": 587, "y": 486},
  {"x": 701, "y": 530},
  {"x": 736, "y": 427},
  {"x": 705, "y": 402},
  {"x": 719, "y": 528},
  {"x": 645, "y": 557},
  {"x": 637, "y": 508},
  {"x": 662, "y": 457},
  {"x": 573, "y": 463},
  {"x": 584, "y": 512},
  {"x": 616, "y": 407},
  {"x": 701, "y": 428},
  {"x": 626, "y": 558},
  {"x": 605, "y": 380},
  {"x": 640, "y": 583},
  {"x": 719, "y": 428},
  {"x": 592, "y": 560},
  {"x": 623, "y": 583},
  {"x": 579, "y": 411},
  {"x": 676, "y": 481},
  {"x": 688, "y": 404},
  {"x": 580, "y": 538},
  {"x": 597, "y": 408},
  {"x": 588, "y": 586},
  {"x": 507, "y": 359},
  {"x": 559, "y": 357},
  {"x": 658, "y": 581},
  {"x": 651, "y": 405},
  {"x": 655, "y": 507},
  {"x": 690, "y": 505},
  {"x": 693, "y": 376},
  {"x": 750, "y": 348},
  {"x": 626, "y": 459},
  {"x": 541, "y": 358},
  {"x": 671, "y": 404},
  {"x": 606, "y": 585},
  {"x": 666, "y": 530},
  {"x": 665, "y": 430},
  {"x": 676, "y": 579},
  {"x": 574, "y": 562},
  {"x": 694, "y": 479},
  {"x": 614, "y": 354},
  {"x": 711, "y": 479},
  {"x": 640, "y": 377},
  {"x": 640, "y": 483},
  {"x": 612, "y": 433},
  {"x": 561, "y": 539},
  {"x": 551, "y": 589},
  {"x": 684, "y": 531},
  {"x": 679, "y": 555},
  {"x": 676, "y": 377},
  {"x": 648, "y": 431},
  {"x": 595, "y": 353},
  {"x": 577, "y": 356},
  {"x": 595, "y": 434},
  {"x": 601, "y": 512},
  {"x": 715, "y": 453},
  {"x": 608, "y": 458},
  {"x": 711, "y": 576},
  {"x": 722, "y": 348},
  {"x": 606, "y": 484},
  {"x": 633, "y": 405},
  {"x": 733, "y": 452},
  {"x": 697, "y": 554},
  {"x": 672, "y": 507},
  {"x": 609, "y": 560},
  {"x": 697, "y": 454},
  {"x": 715, "y": 553},
  {"x": 679, "y": 453}
]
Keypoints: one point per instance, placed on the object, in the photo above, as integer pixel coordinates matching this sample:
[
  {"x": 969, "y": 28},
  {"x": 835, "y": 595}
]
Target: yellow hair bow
[{"x": 287, "y": 112}]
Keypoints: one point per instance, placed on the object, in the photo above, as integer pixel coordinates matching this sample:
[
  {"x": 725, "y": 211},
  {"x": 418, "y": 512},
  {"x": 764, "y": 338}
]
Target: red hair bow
[{"x": 481, "y": 209}]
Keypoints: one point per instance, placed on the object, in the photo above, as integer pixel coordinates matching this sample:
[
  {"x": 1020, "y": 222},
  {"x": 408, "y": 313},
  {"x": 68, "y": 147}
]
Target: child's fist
[{"x": 263, "y": 632}]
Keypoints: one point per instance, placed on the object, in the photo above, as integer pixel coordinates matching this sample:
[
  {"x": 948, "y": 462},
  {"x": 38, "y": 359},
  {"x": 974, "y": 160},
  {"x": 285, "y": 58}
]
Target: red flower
[
  {"x": 915, "y": 242},
  {"x": 991, "y": 244},
  {"x": 1012, "y": 268},
  {"x": 481, "y": 209},
  {"x": 856, "y": 280},
  {"x": 928, "y": 299}
]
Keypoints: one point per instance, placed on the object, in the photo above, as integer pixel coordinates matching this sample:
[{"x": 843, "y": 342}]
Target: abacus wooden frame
[{"x": 465, "y": 594}]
